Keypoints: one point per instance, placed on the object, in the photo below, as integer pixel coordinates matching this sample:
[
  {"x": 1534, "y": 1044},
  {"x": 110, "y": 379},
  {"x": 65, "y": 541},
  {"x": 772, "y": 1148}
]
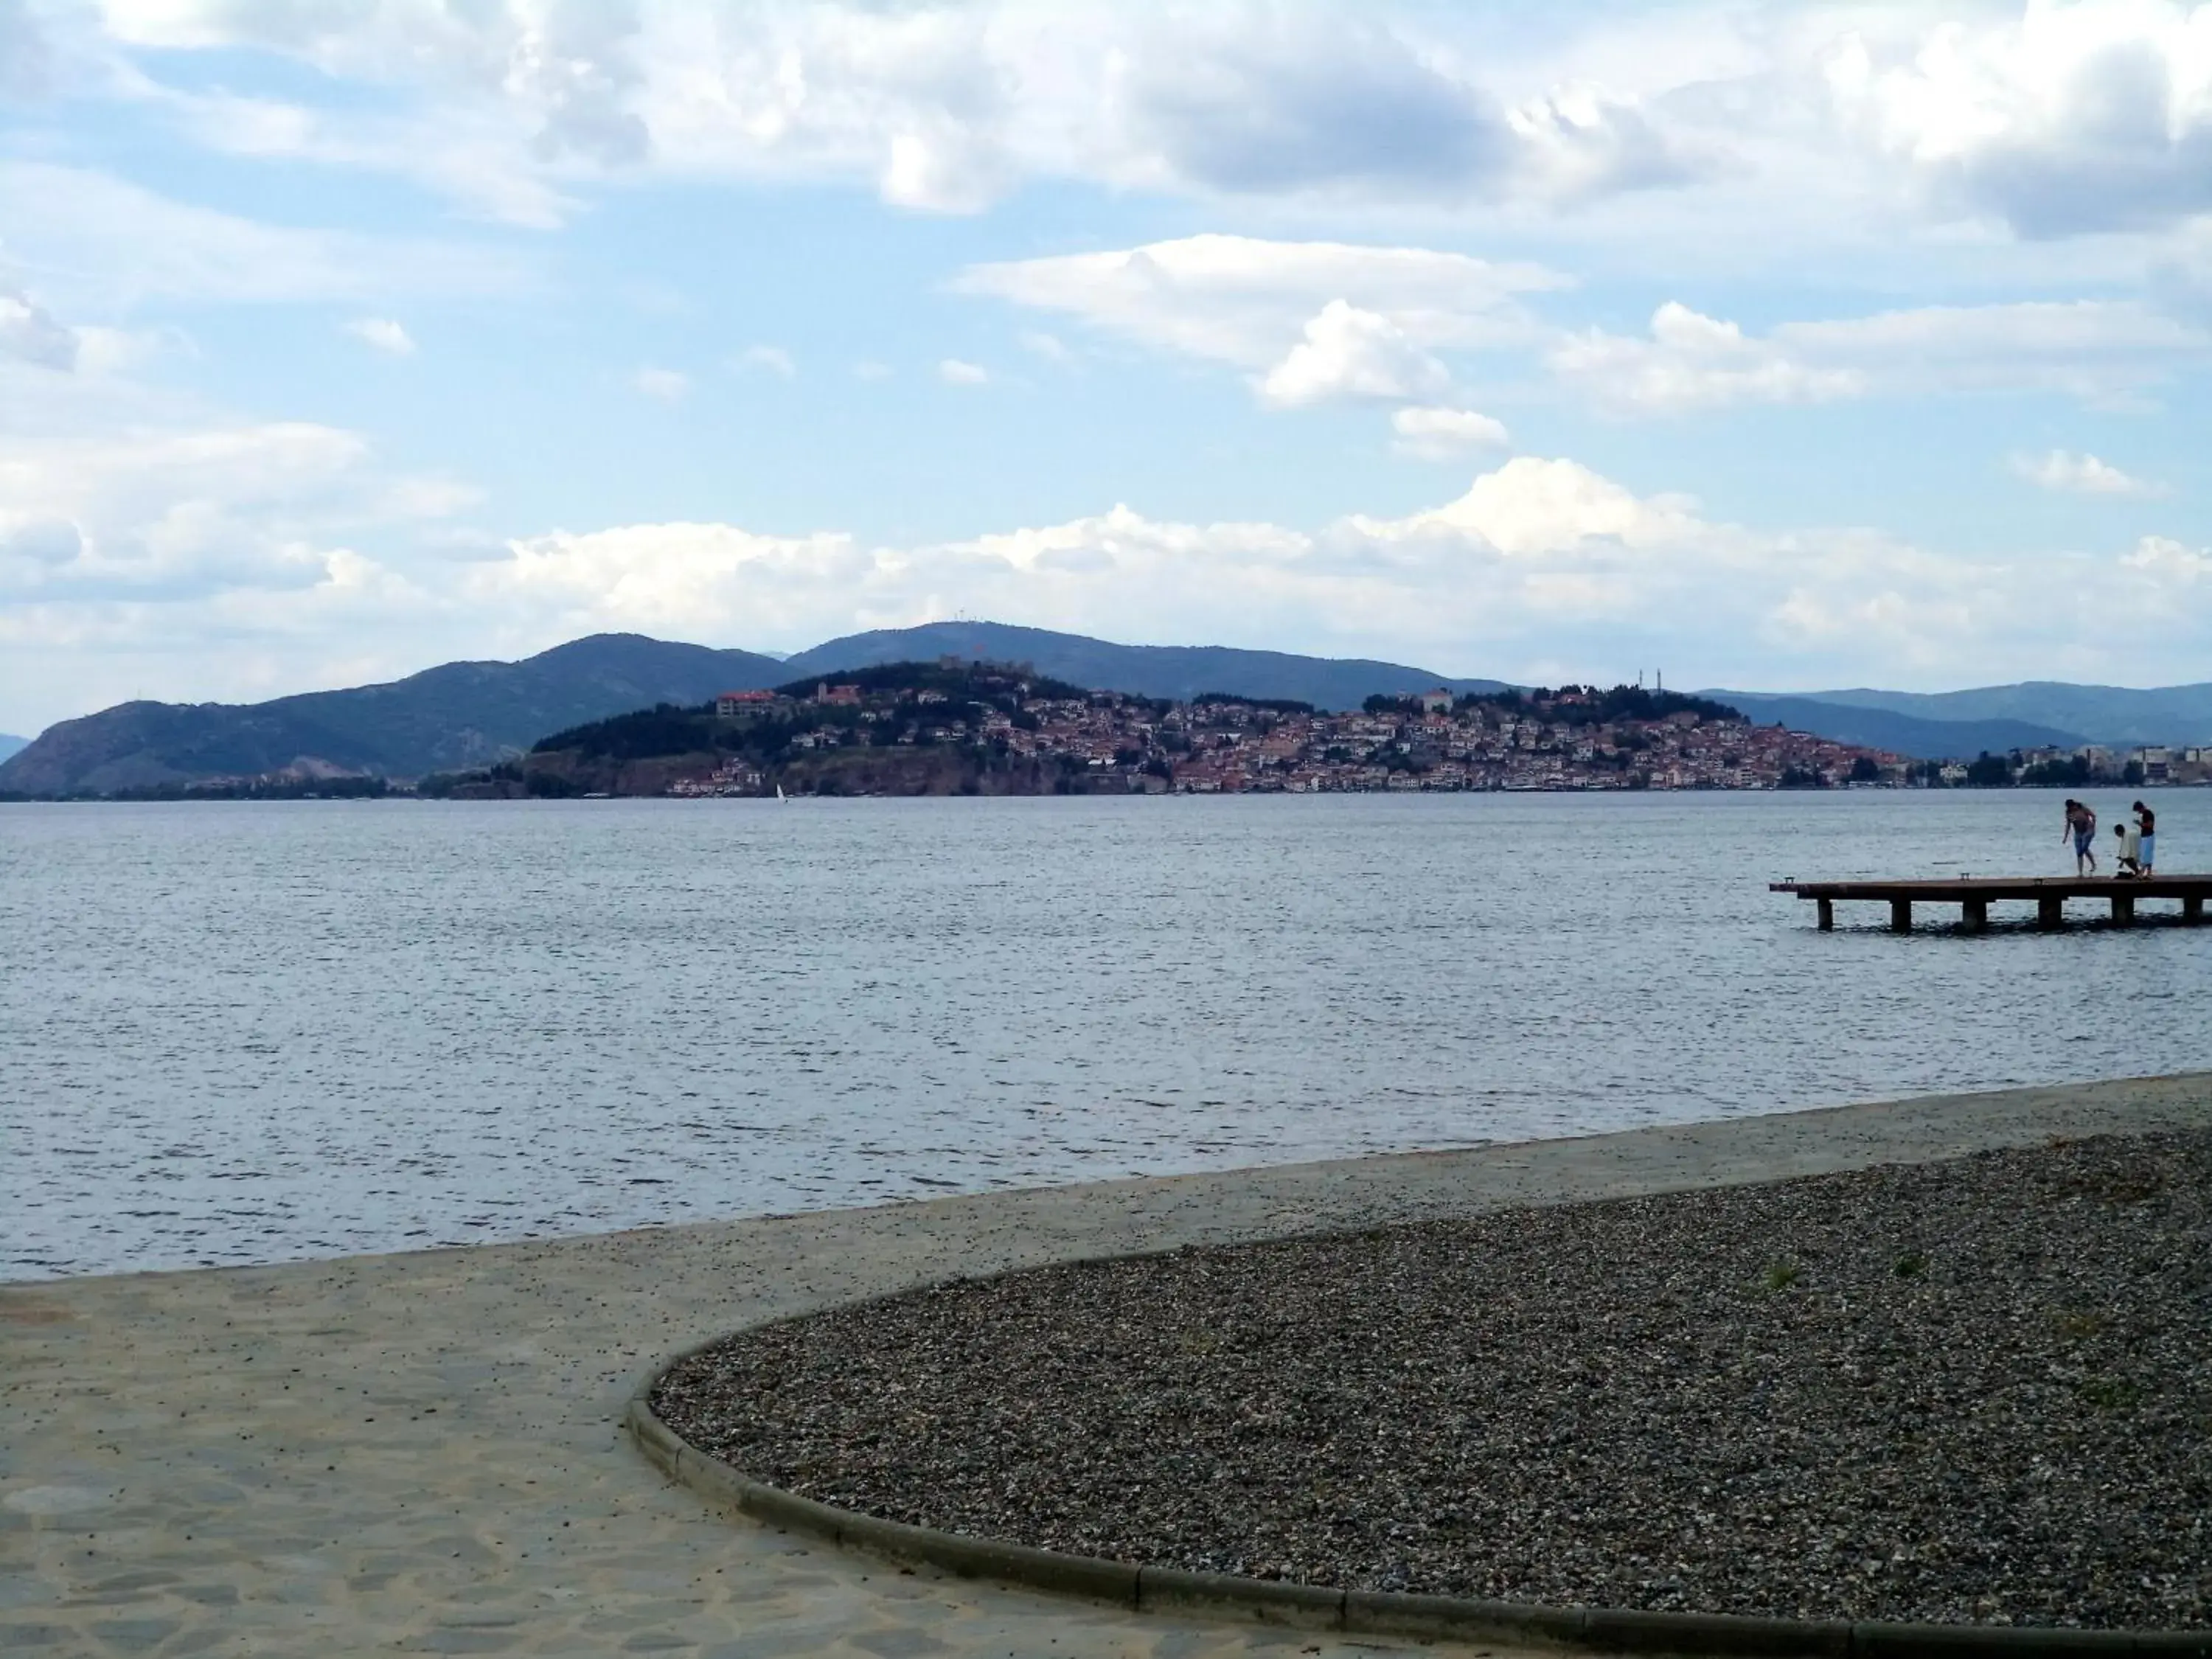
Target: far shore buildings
[{"x": 1436, "y": 740}]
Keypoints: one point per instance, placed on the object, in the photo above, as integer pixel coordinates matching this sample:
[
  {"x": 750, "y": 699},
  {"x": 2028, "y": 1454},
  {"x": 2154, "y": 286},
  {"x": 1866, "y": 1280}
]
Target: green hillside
[{"x": 459, "y": 715}]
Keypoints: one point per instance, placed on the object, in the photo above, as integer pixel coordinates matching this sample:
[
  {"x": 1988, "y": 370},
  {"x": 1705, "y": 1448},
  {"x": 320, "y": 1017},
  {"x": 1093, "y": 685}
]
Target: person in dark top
[
  {"x": 2146, "y": 822},
  {"x": 2081, "y": 824}
]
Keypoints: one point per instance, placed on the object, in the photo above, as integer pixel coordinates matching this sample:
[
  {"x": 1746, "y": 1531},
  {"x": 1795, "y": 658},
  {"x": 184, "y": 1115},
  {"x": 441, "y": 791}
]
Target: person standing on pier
[
  {"x": 2081, "y": 824},
  {"x": 2147, "y": 823}
]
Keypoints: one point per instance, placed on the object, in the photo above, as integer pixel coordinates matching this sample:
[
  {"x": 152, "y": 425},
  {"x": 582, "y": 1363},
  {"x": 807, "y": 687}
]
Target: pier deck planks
[{"x": 1973, "y": 895}]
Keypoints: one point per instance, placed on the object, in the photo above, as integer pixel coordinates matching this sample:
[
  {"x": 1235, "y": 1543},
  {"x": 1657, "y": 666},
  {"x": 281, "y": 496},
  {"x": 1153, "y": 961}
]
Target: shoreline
[
  {"x": 399, "y": 790},
  {"x": 425, "y": 1449},
  {"x": 1378, "y": 1161}
]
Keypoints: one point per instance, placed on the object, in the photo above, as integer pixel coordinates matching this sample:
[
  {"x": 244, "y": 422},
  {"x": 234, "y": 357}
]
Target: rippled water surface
[{"x": 255, "y": 1032}]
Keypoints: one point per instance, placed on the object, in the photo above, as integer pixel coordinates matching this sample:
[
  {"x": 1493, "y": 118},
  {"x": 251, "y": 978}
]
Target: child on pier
[{"x": 2130, "y": 859}]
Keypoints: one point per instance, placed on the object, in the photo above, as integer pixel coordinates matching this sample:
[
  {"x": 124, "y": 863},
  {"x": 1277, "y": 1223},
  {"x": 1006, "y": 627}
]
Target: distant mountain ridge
[
  {"x": 1179, "y": 671},
  {"x": 1918, "y": 738},
  {"x": 2115, "y": 715},
  {"x": 9, "y": 745},
  {"x": 458, "y": 714},
  {"x": 468, "y": 714}
]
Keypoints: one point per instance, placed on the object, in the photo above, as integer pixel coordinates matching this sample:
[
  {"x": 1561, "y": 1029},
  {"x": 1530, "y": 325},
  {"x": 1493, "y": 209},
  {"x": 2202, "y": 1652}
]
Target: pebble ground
[
  {"x": 422, "y": 1454},
  {"x": 1977, "y": 1391}
]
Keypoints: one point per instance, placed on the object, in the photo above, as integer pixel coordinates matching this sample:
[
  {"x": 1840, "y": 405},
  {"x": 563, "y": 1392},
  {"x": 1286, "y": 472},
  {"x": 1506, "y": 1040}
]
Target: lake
[{"x": 256, "y": 1032}]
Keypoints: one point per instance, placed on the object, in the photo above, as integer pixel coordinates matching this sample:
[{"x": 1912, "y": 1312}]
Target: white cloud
[
  {"x": 2058, "y": 120},
  {"x": 1692, "y": 362},
  {"x": 1050, "y": 347},
  {"x": 384, "y": 334},
  {"x": 2084, "y": 346},
  {"x": 104, "y": 352},
  {"x": 2081, "y": 475},
  {"x": 1583, "y": 143},
  {"x": 1539, "y": 558},
  {"x": 945, "y": 108},
  {"x": 1254, "y": 102},
  {"x": 2161, "y": 559},
  {"x": 489, "y": 167},
  {"x": 954, "y": 371},
  {"x": 1316, "y": 319},
  {"x": 1350, "y": 352},
  {"x": 124, "y": 564},
  {"x": 676, "y": 580},
  {"x": 1439, "y": 434},
  {"x": 774, "y": 359},
  {"x": 2097, "y": 350},
  {"x": 246, "y": 557},
  {"x": 869, "y": 370},
  {"x": 29, "y": 333},
  {"x": 26, "y": 55},
  {"x": 181, "y": 516},
  {"x": 122, "y": 244},
  {"x": 1310, "y": 321},
  {"x": 1728, "y": 128},
  {"x": 1532, "y": 507},
  {"x": 1245, "y": 300},
  {"x": 666, "y": 385},
  {"x": 948, "y": 170}
]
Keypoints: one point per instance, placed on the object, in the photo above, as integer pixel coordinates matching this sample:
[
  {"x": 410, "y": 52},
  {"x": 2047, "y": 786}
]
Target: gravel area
[{"x": 1977, "y": 1391}]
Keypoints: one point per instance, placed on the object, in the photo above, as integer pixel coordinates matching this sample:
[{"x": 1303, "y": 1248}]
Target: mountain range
[
  {"x": 2113, "y": 714},
  {"x": 1179, "y": 671},
  {"x": 9, "y": 745},
  {"x": 469, "y": 714},
  {"x": 1921, "y": 737},
  {"x": 458, "y": 714}
]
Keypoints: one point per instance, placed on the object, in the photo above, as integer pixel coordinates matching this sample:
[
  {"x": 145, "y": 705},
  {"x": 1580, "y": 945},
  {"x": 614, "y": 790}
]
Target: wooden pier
[{"x": 1973, "y": 895}]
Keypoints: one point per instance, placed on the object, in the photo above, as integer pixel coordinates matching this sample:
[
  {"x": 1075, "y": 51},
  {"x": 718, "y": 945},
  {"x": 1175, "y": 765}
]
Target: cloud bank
[
  {"x": 2045, "y": 121},
  {"x": 321, "y": 564}
]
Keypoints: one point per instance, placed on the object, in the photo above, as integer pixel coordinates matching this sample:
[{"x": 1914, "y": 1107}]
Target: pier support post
[
  {"x": 2050, "y": 912},
  {"x": 1975, "y": 913},
  {"x": 1900, "y": 915},
  {"x": 2123, "y": 910},
  {"x": 1828, "y": 908},
  {"x": 2192, "y": 909}
]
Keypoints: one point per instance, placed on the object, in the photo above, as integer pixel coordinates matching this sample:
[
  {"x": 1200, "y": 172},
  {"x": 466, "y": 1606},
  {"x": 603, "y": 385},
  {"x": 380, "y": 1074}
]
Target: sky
[{"x": 1772, "y": 346}]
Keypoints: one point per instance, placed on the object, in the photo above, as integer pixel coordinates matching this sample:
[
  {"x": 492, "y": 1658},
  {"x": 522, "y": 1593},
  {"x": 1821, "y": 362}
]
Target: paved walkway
[{"x": 420, "y": 1454}]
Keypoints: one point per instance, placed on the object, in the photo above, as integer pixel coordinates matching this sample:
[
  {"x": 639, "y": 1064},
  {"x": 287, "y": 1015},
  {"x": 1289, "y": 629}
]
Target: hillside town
[
  {"x": 961, "y": 726},
  {"x": 1573, "y": 738},
  {"x": 1437, "y": 742}
]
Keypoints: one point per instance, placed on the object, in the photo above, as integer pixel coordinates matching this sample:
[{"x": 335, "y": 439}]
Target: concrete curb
[{"x": 1368, "y": 1613}]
